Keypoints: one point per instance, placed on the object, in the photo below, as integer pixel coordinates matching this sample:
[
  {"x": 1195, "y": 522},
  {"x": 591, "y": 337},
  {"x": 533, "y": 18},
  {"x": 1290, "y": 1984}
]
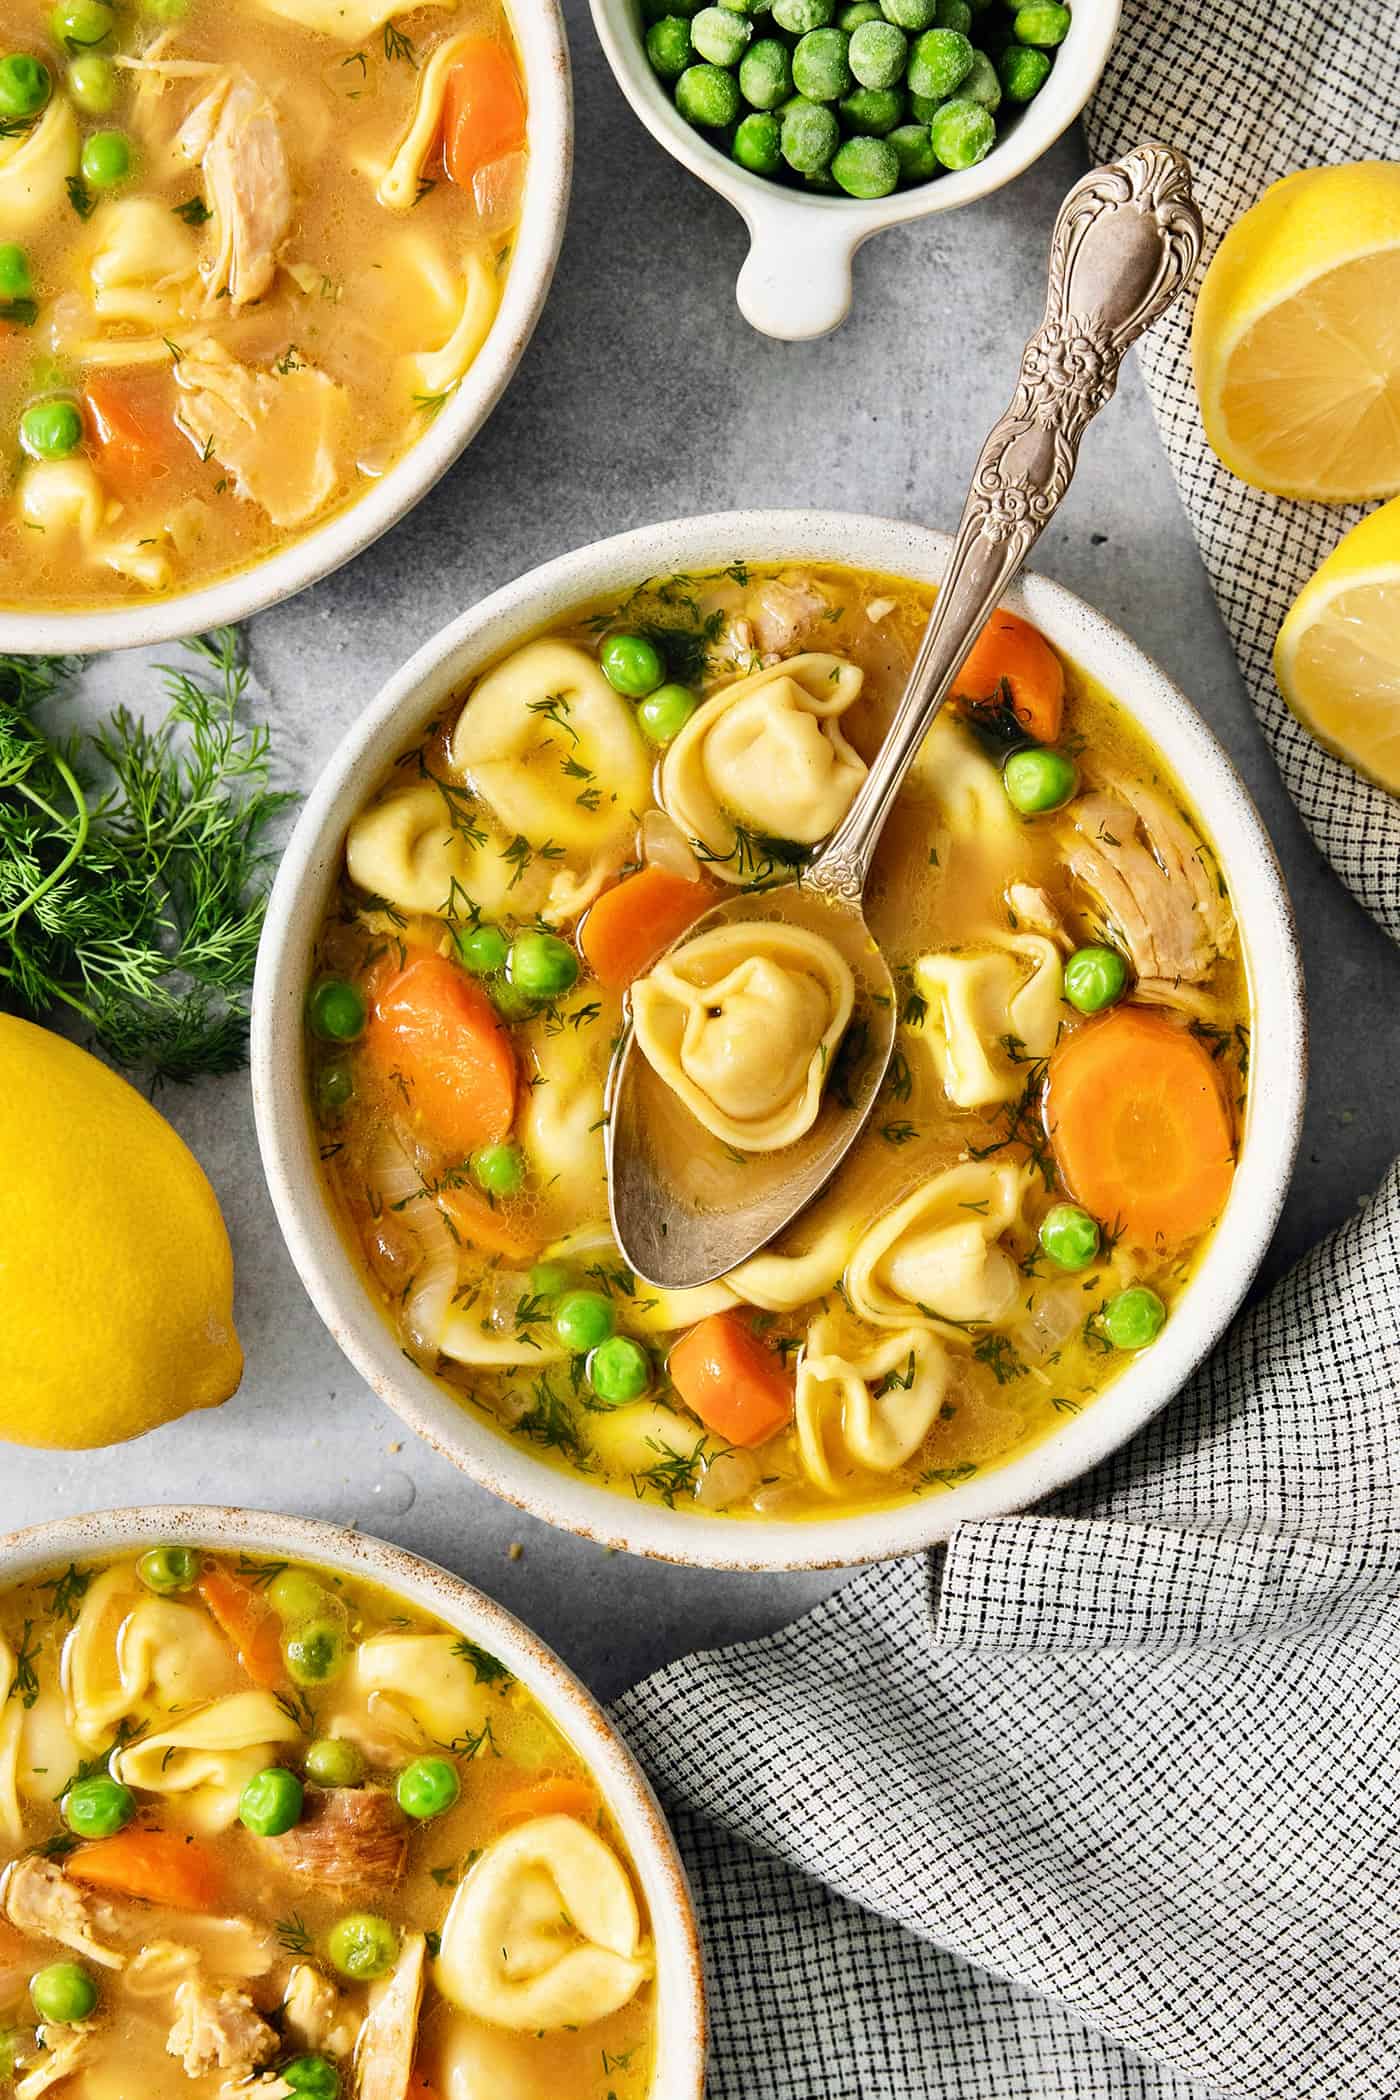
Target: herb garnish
[{"x": 485, "y": 1667}]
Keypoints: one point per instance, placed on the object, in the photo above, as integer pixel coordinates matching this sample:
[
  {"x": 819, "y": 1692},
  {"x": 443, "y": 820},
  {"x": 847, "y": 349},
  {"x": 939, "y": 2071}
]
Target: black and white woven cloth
[
  {"x": 1103, "y": 1800},
  {"x": 1250, "y": 94}
]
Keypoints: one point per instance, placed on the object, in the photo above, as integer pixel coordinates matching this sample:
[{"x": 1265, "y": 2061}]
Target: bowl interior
[
  {"x": 307, "y": 877},
  {"x": 680, "y": 1992}
]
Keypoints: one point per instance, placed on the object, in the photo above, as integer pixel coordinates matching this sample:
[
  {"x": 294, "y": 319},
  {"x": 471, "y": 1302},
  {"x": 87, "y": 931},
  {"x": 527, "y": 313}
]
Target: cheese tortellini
[
  {"x": 766, "y": 754},
  {"x": 954, "y": 773},
  {"x": 208, "y": 1757},
  {"x": 347, "y": 21},
  {"x": 428, "y": 1675},
  {"x": 742, "y": 1023},
  {"x": 128, "y": 1647},
  {"x": 64, "y": 498},
  {"x": 11, "y": 1730},
  {"x": 35, "y": 168},
  {"x": 544, "y": 1932},
  {"x": 871, "y": 1410},
  {"x": 399, "y": 185},
  {"x": 143, "y": 267},
  {"x": 429, "y": 374},
  {"x": 987, "y": 1018},
  {"x": 561, "y": 1118},
  {"x": 935, "y": 1260}
]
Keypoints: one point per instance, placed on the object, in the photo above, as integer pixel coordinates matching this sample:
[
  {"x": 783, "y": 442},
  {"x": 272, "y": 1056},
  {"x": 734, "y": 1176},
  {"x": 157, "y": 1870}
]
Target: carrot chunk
[
  {"x": 436, "y": 1033},
  {"x": 724, "y": 1374},
  {"x": 159, "y": 1866},
  {"x": 486, "y": 1226},
  {"x": 557, "y": 1796},
  {"x": 630, "y": 925},
  {"x": 249, "y": 1624},
  {"x": 131, "y": 423},
  {"x": 1010, "y": 652},
  {"x": 1140, "y": 1128},
  {"x": 483, "y": 110}
]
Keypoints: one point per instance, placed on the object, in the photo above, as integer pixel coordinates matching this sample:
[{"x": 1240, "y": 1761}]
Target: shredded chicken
[
  {"x": 40, "y": 1900},
  {"x": 279, "y": 434},
  {"x": 64, "y": 2051},
  {"x": 314, "y": 2015},
  {"x": 218, "y": 2030},
  {"x": 1034, "y": 911},
  {"x": 1148, "y": 871},
  {"x": 389, "y": 2037},
  {"x": 1181, "y": 998},
  {"x": 785, "y": 610},
  {"x": 348, "y": 1838},
  {"x": 235, "y": 134},
  {"x": 159, "y": 1968}
]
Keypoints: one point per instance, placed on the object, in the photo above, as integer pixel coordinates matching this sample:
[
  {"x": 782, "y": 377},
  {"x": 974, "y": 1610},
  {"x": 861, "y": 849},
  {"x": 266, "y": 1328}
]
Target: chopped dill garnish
[
  {"x": 67, "y": 1591},
  {"x": 898, "y": 1133},
  {"x": 996, "y": 1352},
  {"x": 397, "y": 45},
  {"x": 25, "y": 1682},
  {"x": 194, "y": 211},
  {"x": 672, "y": 1473},
  {"x": 294, "y": 1935},
  {"x": 474, "y": 1743},
  {"x": 485, "y": 1667},
  {"x": 550, "y": 1421},
  {"x": 1022, "y": 1124}
]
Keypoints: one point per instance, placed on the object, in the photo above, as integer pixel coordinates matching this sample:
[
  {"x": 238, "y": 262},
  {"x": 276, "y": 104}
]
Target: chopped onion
[
  {"x": 497, "y": 189},
  {"x": 665, "y": 845},
  {"x": 394, "y": 1178},
  {"x": 1053, "y": 1317},
  {"x": 879, "y": 609},
  {"x": 729, "y": 1477},
  {"x": 503, "y": 1291}
]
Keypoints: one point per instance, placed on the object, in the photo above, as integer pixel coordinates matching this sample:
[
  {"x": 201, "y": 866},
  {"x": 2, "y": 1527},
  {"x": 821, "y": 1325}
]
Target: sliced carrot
[
  {"x": 1140, "y": 1128},
  {"x": 557, "y": 1796},
  {"x": 132, "y": 425},
  {"x": 249, "y": 1623},
  {"x": 419, "y": 2088},
  {"x": 159, "y": 1866},
  {"x": 436, "y": 1035},
  {"x": 1010, "y": 652},
  {"x": 630, "y": 925},
  {"x": 487, "y": 1227},
  {"x": 736, "y": 1385},
  {"x": 483, "y": 110}
]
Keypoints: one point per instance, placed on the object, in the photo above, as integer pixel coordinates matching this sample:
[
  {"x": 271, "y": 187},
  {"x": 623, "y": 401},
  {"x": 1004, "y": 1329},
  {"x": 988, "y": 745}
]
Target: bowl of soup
[
  {"x": 1080, "y": 1146},
  {"x": 285, "y": 1809},
  {"x": 264, "y": 272}
]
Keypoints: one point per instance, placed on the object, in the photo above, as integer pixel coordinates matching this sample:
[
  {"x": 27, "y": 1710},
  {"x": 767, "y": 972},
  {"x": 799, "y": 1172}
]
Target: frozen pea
[
  {"x": 878, "y": 54},
  {"x": 707, "y": 96},
  {"x": 871, "y": 112},
  {"x": 765, "y": 74},
  {"x": 654, "y": 10},
  {"x": 745, "y": 7},
  {"x": 668, "y": 46},
  {"x": 910, "y": 14},
  {"x": 982, "y": 84},
  {"x": 914, "y": 150},
  {"x": 758, "y": 143},
  {"x": 850, "y": 18},
  {"x": 810, "y": 136},
  {"x": 1043, "y": 23},
  {"x": 1023, "y": 72},
  {"x": 939, "y": 62},
  {"x": 798, "y": 16},
  {"x": 962, "y": 133},
  {"x": 866, "y": 167},
  {"x": 819, "y": 68},
  {"x": 720, "y": 36},
  {"x": 954, "y": 14}
]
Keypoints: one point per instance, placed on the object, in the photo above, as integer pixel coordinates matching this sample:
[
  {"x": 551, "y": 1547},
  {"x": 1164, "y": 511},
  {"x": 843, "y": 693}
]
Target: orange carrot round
[
  {"x": 726, "y": 1376},
  {"x": 631, "y": 924},
  {"x": 483, "y": 110},
  {"x": 132, "y": 426},
  {"x": 435, "y": 1035},
  {"x": 556, "y": 1796},
  {"x": 1010, "y": 651},
  {"x": 249, "y": 1624},
  {"x": 159, "y": 1866},
  {"x": 1139, "y": 1126}
]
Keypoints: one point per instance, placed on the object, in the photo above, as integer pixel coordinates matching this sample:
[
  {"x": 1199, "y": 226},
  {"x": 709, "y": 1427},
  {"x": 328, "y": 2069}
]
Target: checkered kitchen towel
[
  {"x": 1103, "y": 1800},
  {"x": 1251, "y": 92}
]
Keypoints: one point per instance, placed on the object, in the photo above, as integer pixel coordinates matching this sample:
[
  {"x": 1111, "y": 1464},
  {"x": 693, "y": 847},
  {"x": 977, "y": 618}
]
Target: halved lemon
[
  {"x": 1337, "y": 658},
  {"x": 1296, "y": 341}
]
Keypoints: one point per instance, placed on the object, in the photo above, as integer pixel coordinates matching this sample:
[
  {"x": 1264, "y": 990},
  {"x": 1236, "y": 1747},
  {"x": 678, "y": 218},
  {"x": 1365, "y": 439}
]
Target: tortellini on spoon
[
  {"x": 543, "y": 1933},
  {"x": 766, "y": 754},
  {"x": 935, "y": 1259},
  {"x": 871, "y": 1410},
  {"x": 742, "y": 1024}
]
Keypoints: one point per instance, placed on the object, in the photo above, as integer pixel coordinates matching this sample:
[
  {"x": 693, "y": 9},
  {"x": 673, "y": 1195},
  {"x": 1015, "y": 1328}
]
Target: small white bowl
[
  {"x": 544, "y": 55},
  {"x": 307, "y": 878},
  {"x": 796, "y": 282},
  {"x": 680, "y": 1994}
]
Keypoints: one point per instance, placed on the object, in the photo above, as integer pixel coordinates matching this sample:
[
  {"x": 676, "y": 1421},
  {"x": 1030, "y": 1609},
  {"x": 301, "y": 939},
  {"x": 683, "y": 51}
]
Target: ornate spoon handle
[{"x": 1125, "y": 246}]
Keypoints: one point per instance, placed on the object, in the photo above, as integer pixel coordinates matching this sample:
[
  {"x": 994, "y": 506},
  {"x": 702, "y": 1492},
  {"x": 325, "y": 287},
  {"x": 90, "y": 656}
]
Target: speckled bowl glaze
[
  {"x": 681, "y": 2026},
  {"x": 544, "y": 54},
  {"x": 796, "y": 282},
  {"x": 307, "y": 877}
]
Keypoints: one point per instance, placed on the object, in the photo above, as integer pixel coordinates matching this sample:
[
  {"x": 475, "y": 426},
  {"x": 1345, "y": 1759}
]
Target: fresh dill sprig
[{"x": 485, "y": 1667}]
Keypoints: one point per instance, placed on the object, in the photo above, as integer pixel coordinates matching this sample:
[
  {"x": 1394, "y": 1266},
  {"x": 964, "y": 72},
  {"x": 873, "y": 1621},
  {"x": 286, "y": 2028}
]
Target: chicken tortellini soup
[
  {"x": 247, "y": 252},
  {"x": 1056, "y": 1135},
  {"x": 266, "y": 1830}
]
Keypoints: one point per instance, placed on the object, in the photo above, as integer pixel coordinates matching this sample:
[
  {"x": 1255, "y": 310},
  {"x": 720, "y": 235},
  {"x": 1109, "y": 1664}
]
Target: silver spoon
[{"x": 685, "y": 1209}]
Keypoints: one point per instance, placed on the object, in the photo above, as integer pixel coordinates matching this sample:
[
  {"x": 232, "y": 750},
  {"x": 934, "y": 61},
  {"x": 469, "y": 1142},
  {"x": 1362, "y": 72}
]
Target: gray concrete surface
[{"x": 644, "y": 396}]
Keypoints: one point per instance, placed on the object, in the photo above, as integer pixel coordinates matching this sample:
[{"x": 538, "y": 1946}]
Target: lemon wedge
[
  {"x": 1296, "y": 341},
  {"x": 1337, "y": 658}
]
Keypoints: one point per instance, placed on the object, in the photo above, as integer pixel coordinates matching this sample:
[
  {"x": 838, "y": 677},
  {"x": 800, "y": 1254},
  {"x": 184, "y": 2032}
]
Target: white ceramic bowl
[
  {"x": 796, "y": 282},
  {"x": 681, "y": 2026},
  {"x": 307, "y": 877},
  {"x": 544, "y": 54}
]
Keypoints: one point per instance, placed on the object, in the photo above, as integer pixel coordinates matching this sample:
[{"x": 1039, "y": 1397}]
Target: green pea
[
  {"x": 16, "y": 280},
  {"x": 499, "y": 1169},
  {"x": 757, "y": 146},
  {"x": 630, "y": 663},
  {"x": 316, "y": 1651},
  {"x": 542, "y": 965},
  {"x": 850, "y": 18},
  {"x": 550, "y": 1279},
  {"x": 51, "y": 429},
  {"x": 98, "y": 1807},
  {"x": 799, "y": 16},
  {"x": 168, "y": 1569},
  {"x": 1039, "y": 779},
  {"x": 914, "y": 151},
  {"x": 333, "y": 1761},
  {"x": 878, "y": 54},
  {"x": 362, "y": 1946},
  {"x": 811, "y": 135},
  {"x": 106, "y": 160},
  {"x": 963, "y": 133},
  {"x": 583, "y": 1320},
  {"x": 427, "y": 1788},
  {"x": 720, "y": 36},
  {"x": 79, "y": 24},
  {"x": 706, "y": 96},
  {"x": 1134, "y": 1318},
  {"x": 315, "y": 2076},
  {"x": 294, "y": 1594},
  {"x": 619, "y": 1370},
  {"x": 1041, "y": 23},
  {"x": 1023, "y": 73},
  {"x": 669, "y": 46},
  {"x": 872, "y": 112},
  {"x": 982, "y": 84},
  {"x": 25, "y": 85},
  {"x": 62, "y": 1993},
  {"x": 1069, "y": 1236},
  {"x": 664, "y": 713},
  {"x": 866, "y": 167},
  {"x": 910, "y": 14},
  {"x": 482, "y": 949},
  {"x": 656, "y": 10},
  {"x": 335, "y": 1089},
  {"x": 745, "y": 7},
  {"x": 337, "y": 1012},
  {"x": 765, "y": 74},
  {"x": 92, "y": 82},
  {"x": 954, "y": 14},
  {"x": 271, "y": 1802},
  {"x": 938, "y": 62},
  {"x": 1095, "y": 978},
  {"x": 819, "y": 68}
]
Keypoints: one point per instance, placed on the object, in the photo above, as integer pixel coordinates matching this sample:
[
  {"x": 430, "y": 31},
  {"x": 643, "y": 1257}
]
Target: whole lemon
[{"x": 116, "y": 1276}]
